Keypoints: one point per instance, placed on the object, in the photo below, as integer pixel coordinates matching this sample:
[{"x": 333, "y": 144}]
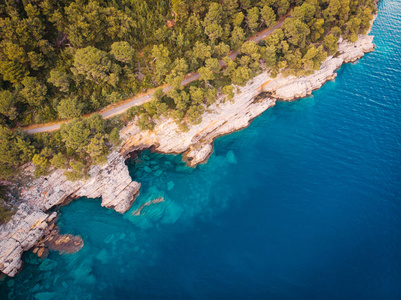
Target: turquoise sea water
[{"x": 303, "y": 204}]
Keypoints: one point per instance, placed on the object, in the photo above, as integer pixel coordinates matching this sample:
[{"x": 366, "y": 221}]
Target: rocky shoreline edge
[{"x": 112, "y": 181}]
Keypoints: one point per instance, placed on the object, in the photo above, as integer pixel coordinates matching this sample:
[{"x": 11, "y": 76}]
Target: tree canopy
[{"x": 63, "y": 59}]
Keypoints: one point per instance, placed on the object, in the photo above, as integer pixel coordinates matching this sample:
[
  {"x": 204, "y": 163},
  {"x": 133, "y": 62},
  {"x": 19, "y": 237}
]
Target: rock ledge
[{"x": 112, "y": 182}]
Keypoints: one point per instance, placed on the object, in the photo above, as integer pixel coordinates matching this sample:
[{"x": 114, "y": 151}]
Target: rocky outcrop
[
  {"x": 112, "y": 182},
  {"x": 20, "y": 234},
  {"x": 138, "y": 211},
  {"x": 53, "y": 240},
  {"x": 220, "y": 119},
  {"x": 248, "y": 103},
  {"x": 291, "y": 87}
]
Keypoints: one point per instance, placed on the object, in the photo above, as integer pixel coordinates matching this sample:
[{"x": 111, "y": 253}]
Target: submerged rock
[
  {"x": 183, "y": 169},
  {"x": 36, "y": 288},
  {"x": 10, "y": 283},
  {"x": 172, "y": 213},
  {"x": 230, "y": 156},
  {"x": 170, "y": 185},
  {"x": 103, "y": 256},
  {"x": 137, "y": 212},
  {"x": 45, "y": 296},
  {"x": 64, "y": 243},
  {"x": 33, "y": 259},
  {"x": 109, "y": 238},
  {"x": 47, "y": 265}
]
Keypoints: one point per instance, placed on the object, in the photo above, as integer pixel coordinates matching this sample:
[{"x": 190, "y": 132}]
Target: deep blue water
[{"x": 303, "y": 204}]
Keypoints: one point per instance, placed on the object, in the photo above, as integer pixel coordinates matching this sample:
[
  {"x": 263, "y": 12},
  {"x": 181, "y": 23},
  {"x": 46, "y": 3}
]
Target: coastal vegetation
[
  {"x": 63, "y": 59},
  {"x": 6, "y": 208},
  {"x": 79, "y": 144}
]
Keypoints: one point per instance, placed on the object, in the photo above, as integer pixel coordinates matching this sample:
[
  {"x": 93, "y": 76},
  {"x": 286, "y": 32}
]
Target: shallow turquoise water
[{"x": 303, "y": 204}]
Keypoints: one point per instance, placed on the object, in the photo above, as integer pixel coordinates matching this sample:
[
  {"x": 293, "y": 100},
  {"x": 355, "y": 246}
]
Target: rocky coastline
[
  {"x": 112, "y": 181},
  {"x": 261, "y": 93}
]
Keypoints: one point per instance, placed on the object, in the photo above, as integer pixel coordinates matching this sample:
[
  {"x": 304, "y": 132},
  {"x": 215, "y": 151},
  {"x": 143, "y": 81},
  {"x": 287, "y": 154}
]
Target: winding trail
[{"x": 116, "y": 109}]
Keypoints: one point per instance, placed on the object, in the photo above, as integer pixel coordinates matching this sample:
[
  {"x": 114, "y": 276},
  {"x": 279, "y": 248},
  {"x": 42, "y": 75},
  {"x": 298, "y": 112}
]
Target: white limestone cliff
[
  {"x": 111, "y": 181},
  {"x": 223, "y": 118}
]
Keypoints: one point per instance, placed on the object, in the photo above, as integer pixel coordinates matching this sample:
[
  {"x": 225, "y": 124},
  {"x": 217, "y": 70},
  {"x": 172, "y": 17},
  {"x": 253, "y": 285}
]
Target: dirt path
[{"x": 116, "y": 109}]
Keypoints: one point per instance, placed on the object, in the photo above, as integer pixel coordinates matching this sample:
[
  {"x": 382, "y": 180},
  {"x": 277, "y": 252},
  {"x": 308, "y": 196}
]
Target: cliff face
[
  {"x": 220, "y": 119},
  {"x": 112, "y": 181},
  {"x": 227, "y": 117},
  {"x": 20, "y": 234},
  {"x": 291, "y": 87}
]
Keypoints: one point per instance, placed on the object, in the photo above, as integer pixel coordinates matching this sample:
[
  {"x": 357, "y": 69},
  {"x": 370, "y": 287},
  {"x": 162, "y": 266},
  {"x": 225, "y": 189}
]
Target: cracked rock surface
[{"x": 111, "y": 181}]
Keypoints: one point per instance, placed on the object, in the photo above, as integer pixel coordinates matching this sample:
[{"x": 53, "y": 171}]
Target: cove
[{"x": 302, "y": 204}]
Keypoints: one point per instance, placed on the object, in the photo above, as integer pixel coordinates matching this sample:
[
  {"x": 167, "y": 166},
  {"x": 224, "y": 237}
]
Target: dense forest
[{"x": 60, "y": 59}]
